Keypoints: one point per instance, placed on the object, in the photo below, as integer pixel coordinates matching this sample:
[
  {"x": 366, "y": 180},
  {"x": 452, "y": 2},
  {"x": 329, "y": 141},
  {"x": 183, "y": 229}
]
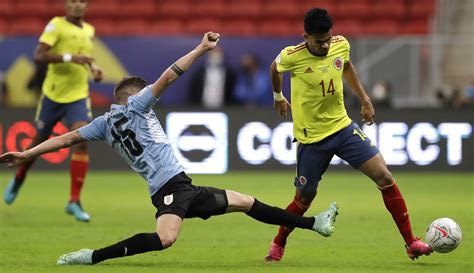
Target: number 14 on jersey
[{"x": 330, "y": 89}]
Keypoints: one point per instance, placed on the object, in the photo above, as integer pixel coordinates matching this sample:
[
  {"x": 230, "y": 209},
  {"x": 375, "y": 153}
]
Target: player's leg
[
  {"x": 312, "y": 161},
  {"x": 48, "y": 113},
  {"x": 167, "y": 230},
  {"x": 171, "y": 201},
  {"x": 377, "y": 170},
  {"x": 239, "y": 202},
  {"x": 78, "y": 115},
  {"x": 361, "y": 153}
]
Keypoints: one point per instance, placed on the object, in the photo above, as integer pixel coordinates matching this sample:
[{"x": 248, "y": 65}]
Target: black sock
[
  {"x": 277, "y": 216},
  {"x": 139, "y": 243}
]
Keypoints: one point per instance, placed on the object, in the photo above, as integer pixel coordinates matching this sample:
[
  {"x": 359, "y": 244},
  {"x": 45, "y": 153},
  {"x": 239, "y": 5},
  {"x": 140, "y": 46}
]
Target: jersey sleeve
[
  {"x": 143, "y": 100},
  {"x": 91, "y": 29},
  {"x": 347, "y": 48},
  {"x": 50, "y": 34},
  {"x": 95, "y": 130},
  {"x": 283, "y": 60}
]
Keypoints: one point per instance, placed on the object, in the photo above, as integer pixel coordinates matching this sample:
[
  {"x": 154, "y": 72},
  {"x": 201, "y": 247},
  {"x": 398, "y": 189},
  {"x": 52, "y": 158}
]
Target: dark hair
[
  {"x": 127, "y": 83},
  {"x": 317, "y": 21}
]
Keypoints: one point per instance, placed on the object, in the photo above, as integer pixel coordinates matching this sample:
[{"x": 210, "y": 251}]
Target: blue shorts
[
  {"x": 350, "y": 144},
  {"x": 49, "y": 113}
]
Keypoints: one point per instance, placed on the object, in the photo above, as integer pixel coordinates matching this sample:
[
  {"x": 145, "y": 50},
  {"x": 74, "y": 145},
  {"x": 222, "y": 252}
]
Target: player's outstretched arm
[
  {"x": 15, "y": 159},
  {"x": 352, "y": 79},
  {"x": 209, "y": 41}
]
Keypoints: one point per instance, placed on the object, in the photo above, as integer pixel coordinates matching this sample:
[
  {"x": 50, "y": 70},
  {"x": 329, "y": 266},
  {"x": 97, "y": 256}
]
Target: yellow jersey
[
  {"x": 316, "y": 89},
  {"x": 67, "y": 82}
]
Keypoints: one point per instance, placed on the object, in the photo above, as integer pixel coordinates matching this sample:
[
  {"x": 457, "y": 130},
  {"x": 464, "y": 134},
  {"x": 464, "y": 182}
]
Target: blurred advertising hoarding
[{"x": 258, "y": 139}]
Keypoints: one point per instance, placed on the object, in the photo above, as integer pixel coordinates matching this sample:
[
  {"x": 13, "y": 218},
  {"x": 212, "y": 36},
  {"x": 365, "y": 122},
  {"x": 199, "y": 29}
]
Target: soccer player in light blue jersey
[{"x": 133, "y": 130}]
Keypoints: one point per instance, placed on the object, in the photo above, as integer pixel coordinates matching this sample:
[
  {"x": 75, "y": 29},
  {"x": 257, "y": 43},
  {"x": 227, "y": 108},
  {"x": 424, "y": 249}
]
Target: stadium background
[{"x": 423, "y": 48}]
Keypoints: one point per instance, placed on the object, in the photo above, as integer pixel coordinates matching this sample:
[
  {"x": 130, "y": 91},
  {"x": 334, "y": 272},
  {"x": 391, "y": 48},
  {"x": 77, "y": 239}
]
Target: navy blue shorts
[
  {"x": 49, "y": 113},
  {"x": 350, "y": 144}
]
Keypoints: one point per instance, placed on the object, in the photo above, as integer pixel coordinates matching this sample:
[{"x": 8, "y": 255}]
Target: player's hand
[
  {"x": 13, "y": 159},
  {"x": 210, "y": 40},
  {"x": 81, "y": 59},
  {"x": 96, "y": 73},
  {"x": 368, "y": 112},
  {"x": 281, "y": 107}
]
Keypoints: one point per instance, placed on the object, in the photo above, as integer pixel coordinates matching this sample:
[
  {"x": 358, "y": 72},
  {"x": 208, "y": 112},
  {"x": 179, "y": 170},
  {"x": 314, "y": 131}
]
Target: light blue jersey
[{"x": 133, "y": 131}]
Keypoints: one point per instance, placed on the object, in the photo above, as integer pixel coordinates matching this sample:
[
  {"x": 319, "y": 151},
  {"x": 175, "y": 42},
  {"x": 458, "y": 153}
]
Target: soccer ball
[{"x": 443, "y": 235}]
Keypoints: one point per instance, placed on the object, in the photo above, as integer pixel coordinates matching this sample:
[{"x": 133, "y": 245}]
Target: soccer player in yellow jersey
[
  {"x": 323, "y": 129},
  {"x": 66, "y": 46}
]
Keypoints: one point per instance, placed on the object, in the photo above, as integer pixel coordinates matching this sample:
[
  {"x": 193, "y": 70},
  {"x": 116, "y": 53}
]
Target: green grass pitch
[{"x": 35, "y": 231}]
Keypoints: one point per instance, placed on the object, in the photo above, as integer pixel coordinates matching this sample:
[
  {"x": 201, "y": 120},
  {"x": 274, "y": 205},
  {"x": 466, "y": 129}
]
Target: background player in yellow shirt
[
  {"x": 66, "y": 46},
  {"x": 322, "y": 127}
]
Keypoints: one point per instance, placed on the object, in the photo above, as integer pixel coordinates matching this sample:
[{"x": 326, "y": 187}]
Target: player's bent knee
[
  {"x": 168, "y": 240},
  {"x": 385, "y": 180}
]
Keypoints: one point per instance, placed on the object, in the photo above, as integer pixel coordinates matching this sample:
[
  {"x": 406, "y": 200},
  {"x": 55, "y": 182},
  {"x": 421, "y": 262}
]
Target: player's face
[
  {"x": 75, "y": 8},
  {"x": 318, "y": 44}
]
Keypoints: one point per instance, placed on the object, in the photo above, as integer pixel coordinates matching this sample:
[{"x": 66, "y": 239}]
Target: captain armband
[{"x": 177, "y": 70}]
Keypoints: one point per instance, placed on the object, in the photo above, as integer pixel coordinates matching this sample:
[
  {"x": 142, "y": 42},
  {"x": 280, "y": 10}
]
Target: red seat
[
  {"x": 282, "y": 9},
  {"x": 173, "y": 9},
  {"x": 388, "y": 9},
  {"x": 210, "y": 8},
  {"x": 104, "y": 27},
  {"x": 323, "y": 4},
  {"x": 3, "y": 26},
  {"x": 103, "y": 8},
  {"x": 422, "y": 8},
  {"x": 239, "y": 27},
  {"x": 133, "y": 27},
  {"x": 6, "y": 9},
  {"x": 277, "y": 28},
  {"x": 351, "y": 28},
  {"x": 200, "y": 26},
  {"x": 244, "y": 9},
  {"x": 29, "y": 9},
  {"x": 169, "y": 26},
  {"x": 416, "y": 26},
  {"x": 28, "y": 26},
  {"x": 381, "y": 27},
  {"x": 351, "y": 9},
  {"x": 134, "y": 9}
]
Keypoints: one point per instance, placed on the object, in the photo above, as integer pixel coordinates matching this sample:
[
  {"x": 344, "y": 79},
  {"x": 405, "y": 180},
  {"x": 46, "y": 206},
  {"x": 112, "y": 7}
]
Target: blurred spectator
[
  {"x": 468, "y": 96},
  {"x": 253, "y": 87},
  {"x": 212, "y": 86},
  {"x": 456, "y": 100},
  {"x": 442, "y": 97},
  {"x": 381, "y": 94},
  {"x": 35, "y": 84},
  {"x": 450, "y": 97},
  {"x": 3, "y": 90}
]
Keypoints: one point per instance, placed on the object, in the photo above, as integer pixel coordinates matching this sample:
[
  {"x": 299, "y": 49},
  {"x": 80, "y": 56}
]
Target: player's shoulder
[
  {"x": 88, "y": 26},
  {"x": 54, "y": 23},
  {"x": 57, "y": 21},
  {"x": 339, "y": 39},
  {"x": 291, "y": 50}
]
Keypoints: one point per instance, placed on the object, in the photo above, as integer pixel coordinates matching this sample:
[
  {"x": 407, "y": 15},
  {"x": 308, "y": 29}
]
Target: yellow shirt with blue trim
[
  {"x": 316, "y": 89},
  {"x": 67, "y": 82}
]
